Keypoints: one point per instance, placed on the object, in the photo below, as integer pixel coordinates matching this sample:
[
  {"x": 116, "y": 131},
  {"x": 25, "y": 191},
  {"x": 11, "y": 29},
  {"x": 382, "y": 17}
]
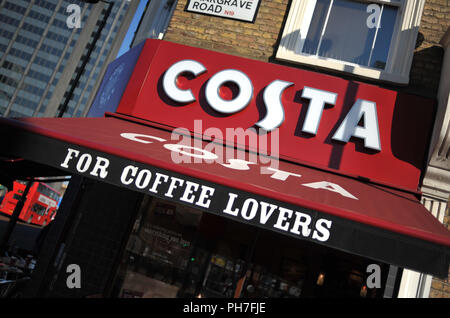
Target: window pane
[
  {"x": 347, "y": 35},
  {"x": 384, "y": 37},
  {"x": 316, "y": 26}
]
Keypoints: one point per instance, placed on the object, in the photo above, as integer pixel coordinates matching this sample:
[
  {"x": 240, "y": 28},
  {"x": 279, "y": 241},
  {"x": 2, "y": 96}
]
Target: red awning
[{"x": 300, "y": 201}]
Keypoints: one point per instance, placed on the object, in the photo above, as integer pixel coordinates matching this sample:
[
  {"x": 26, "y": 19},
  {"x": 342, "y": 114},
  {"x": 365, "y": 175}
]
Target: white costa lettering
[
  {"x": 281, "y": 175},
  {"x": 272, "y": 99},
  {"x": 369, "y": 132},
  {"x": 170, "y": 77},
  {"x": 315, "y": 109},
  {"x": 138, "y": 137},
  {"x": 206, "y": 155},
  {"x": 236, "y": 104},
  {"x": 330, "y": 187},
  {"x": 274, "y": 117},
  {"x": 238, "y": 164}
]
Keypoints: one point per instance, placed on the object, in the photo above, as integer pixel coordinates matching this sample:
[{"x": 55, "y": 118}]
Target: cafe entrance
[{"x": 177, "y": 251}]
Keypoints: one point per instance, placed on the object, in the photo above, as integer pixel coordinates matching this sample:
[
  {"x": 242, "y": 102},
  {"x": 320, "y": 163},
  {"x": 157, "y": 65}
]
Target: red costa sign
[{"x": 357, "y": 129}]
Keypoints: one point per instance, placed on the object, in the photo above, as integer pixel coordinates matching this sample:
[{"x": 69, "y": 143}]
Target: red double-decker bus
[{"x": 40, "y": 205}]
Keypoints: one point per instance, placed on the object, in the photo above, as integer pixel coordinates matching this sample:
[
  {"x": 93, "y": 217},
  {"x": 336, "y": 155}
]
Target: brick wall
[
  {"x": 427, "y": 61},
  {"x": 251, "y": 40},
  {"x": 259, "y": 40}
]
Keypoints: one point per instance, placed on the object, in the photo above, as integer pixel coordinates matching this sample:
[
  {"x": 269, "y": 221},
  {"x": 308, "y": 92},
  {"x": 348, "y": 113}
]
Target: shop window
[
  {"x": 178, "y": 251},
  {"x": 373, "y": 39}
]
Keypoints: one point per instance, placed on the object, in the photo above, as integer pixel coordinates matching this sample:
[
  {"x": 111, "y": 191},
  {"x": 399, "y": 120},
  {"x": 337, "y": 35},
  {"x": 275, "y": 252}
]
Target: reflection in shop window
[
  {"x": 159, "y": 250},
  {"x": 169, "y": 254},
  {"x": 177, "y": 251}
]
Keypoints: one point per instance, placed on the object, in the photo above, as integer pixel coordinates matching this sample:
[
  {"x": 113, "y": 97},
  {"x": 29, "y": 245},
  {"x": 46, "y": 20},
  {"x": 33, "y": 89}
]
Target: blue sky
[{"x": 134, "y": 23}]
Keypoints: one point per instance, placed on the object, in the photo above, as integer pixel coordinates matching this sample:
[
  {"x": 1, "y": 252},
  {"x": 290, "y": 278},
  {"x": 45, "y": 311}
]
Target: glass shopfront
[{"x": 177, "y": 251}]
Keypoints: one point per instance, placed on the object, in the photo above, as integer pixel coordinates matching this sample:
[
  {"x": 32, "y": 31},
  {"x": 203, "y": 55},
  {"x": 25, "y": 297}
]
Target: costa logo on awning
[
  {"x": 324, "y": 121},
  {"x": 361, "y": 110}
]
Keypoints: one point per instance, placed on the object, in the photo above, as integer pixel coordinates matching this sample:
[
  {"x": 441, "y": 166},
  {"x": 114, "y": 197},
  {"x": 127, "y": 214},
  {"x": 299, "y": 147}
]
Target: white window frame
[{"x": 401, "y": 49}]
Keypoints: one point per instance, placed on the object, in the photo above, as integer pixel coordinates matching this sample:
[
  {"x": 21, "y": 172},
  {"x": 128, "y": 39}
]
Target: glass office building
[{"x": 43, "y": 44}]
